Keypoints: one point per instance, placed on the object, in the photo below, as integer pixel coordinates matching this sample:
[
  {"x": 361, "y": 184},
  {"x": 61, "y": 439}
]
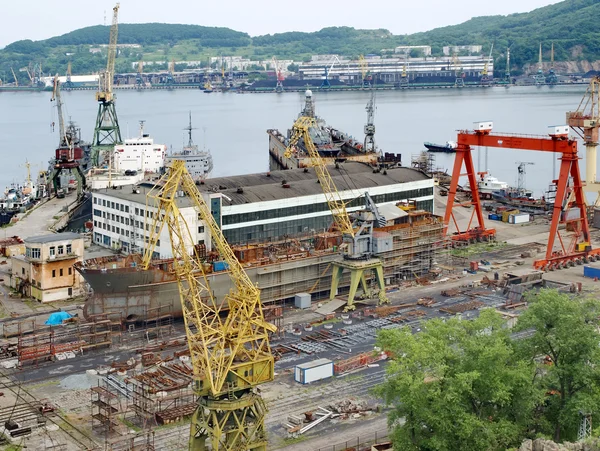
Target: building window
[
  {"x": 69, "y": 249},
  {"x": 126, "y": 221},
  {"x": 112, "y": 205},
  {"x": 52, "y": 251},
  {"x": 137, "y": 211},
  {"x": 22, "y": 270},
  {"x": 70, "y": 270},
  {"x": 200, "y": 241},
  {"x": 113, "y": 228},
  {"x": 112, "y": 217},
  {"x": 122, "y": 207},
  {"x": 54, "y": 273},
  {"x": 60, "y": 272},
  {"x": 35, "y": 252},
  {"x": 95, "y": 200},
  {"x": 104, "y": 202},
  {"x": 97, "y": 212},
  {"x": 127, "y": 233},
  {"x": 61, "y": 250},
  {"x": 200, "y": 229},
  {"x": 126, "y": 208},
  {"x": 70, "y": 292}
]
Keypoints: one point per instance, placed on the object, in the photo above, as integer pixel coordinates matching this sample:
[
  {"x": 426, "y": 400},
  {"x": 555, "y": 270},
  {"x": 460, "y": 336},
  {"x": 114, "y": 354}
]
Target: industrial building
[
  {"x": 391, "y": 70},
  {"x": 46, "y": 271},
  {"x": 257, "y": 207}
]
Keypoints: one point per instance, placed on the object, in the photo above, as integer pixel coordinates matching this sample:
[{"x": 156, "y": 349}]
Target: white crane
[{"x": 328, "y": 69}]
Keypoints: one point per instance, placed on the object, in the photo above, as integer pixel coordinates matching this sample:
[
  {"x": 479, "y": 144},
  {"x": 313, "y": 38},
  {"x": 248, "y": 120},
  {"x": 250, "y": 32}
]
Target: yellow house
[{"x": 46, "y": 270}]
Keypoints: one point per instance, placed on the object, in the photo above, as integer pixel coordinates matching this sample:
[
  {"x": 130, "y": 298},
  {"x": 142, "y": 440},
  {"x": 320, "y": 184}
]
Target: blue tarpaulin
[{"x": 57, "y": 318}]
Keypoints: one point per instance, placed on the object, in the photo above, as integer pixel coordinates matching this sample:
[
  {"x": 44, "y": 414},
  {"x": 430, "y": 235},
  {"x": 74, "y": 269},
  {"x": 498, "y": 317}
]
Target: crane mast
[
  {"x": 63, "y": 141},
  {"x": 107, "y": 132},
  {"x": 369, "y": 144},
  {"x": 228, "y": 340},
  {"x": 357, "y": 237},
  {"x": 279, "y": 75}
]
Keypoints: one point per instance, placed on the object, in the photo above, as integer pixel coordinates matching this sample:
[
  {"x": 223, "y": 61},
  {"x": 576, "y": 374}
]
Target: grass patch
[
  {"x": 13, "y": 447},
  {"x": 478, "y": 248},
  {"x": 293, "y": 440},
  {"x": 131, "y": 426}
]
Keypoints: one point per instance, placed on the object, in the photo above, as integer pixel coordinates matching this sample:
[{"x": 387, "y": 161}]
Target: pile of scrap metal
[{"x": 297, "y": 425}]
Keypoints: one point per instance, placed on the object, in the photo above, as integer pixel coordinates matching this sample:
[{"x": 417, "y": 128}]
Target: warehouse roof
[{"x": 285, "y": 184}]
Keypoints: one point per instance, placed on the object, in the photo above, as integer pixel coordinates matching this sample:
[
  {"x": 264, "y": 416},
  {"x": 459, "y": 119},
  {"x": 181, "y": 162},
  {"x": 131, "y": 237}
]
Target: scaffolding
[
  {"x": 59, "y": 343},
  {"x": 163, "y": 394},
  {"x": 158, "y": 322},
  {"x": 105, "y": 406}
]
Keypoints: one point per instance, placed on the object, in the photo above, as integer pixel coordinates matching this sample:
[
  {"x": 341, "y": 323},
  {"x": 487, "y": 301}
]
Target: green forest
[{"x": 570, "y": 25}]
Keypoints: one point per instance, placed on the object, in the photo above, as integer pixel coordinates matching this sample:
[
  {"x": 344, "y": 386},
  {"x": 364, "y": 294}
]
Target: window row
[
  {"x": 110, "y": 204},
  {"x": 314, "y": 208}
]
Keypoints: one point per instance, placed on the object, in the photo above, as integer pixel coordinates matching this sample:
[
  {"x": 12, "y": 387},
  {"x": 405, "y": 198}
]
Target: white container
[
  {"x": 316, "y": 370},
  {"x": 558, "y": 130},
  {"x": 521, "y": 218},
  {"x": 302, "y": 300},
  {"x": 484, "y": 125}
]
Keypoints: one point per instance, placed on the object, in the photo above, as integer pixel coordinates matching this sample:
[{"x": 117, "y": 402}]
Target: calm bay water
[{"x": 233, "y": 126}]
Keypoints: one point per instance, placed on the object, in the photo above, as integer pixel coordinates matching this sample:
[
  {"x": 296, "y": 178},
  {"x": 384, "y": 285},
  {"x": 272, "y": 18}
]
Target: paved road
[{"x": 38, "y": 221}]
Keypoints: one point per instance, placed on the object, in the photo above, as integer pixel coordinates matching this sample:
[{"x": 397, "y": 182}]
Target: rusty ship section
[{"x": 120, "y": 287}]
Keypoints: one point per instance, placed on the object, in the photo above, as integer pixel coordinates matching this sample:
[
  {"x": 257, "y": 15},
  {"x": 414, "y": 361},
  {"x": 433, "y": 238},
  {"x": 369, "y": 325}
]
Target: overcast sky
[{"x": 41, "y": 19}]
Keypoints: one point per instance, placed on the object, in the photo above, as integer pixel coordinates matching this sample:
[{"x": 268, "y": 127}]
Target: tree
[
  {"x": 457, "y": 385},
  {"x": 566, "y": 334}
]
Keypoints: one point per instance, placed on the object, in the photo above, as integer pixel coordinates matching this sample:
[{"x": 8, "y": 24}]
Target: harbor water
[{"x": 233, "y": 126}]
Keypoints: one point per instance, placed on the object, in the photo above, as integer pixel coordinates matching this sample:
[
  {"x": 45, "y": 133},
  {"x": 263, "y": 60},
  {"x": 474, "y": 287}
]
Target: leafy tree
[
  {"x": 566, "y": 331},
  {"x": 457, "y": 385}
]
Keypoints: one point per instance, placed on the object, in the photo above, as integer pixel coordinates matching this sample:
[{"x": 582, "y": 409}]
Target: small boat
[
  {"x": 487, "y": 184},
  {"x": 449, "y": 147}
]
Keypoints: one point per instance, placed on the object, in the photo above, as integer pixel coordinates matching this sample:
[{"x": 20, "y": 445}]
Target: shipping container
[
  {"x": 592, "y": 273},
  {"x": 316, "y": 370},
  {"x": 220, "y": 266},
  {"x": 302, "y": 300},
  {"x": 506, "y": 214},
  {"x": 494, "y": 217},
  {"x": 520, "y": 218}
]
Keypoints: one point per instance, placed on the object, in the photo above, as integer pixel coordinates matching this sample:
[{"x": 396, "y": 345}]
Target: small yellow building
[{"x": 45, "y": 272}]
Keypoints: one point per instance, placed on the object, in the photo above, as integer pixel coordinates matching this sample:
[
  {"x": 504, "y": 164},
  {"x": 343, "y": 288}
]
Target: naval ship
[{"x": 333, "y": 145}]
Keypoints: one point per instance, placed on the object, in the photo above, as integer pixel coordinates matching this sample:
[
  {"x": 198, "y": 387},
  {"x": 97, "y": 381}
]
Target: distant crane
[
  {"x": 507, "y": 76},
  {"x": 521, "y": 176},
  {"x": 369, "y": 145},
  {"x": 69, "y": 83},
  {"x": 404, "y": 80},
  {"x": 326, "y": 84},
  {"x": 279, "y": 75},
  {"x": 552, "y": 78},
  {"x": 585, "y": 121},
  {"x": 459, "y": 80},
  {"x": 485, "y": 77},
  {"x": 171, "y": 73},
  {"x": 540, "y": 78},
  {"x": 107, "y": 132},
  {"x": 139, "y": 76},
  {"x": 15, "y": 77},
  {"x": 364, "y": 70}
]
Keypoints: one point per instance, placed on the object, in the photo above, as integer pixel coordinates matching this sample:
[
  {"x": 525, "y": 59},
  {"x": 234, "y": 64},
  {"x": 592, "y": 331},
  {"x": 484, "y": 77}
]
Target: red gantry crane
[{"x": 569, "y": 206}]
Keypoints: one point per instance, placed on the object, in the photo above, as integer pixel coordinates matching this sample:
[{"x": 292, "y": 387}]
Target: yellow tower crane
[
  {"x": 357, "y": 238},
  {"x": 107, "y": 132},
  {"x": 228, "y": 340},
  {"x": 364, "y": 70}
]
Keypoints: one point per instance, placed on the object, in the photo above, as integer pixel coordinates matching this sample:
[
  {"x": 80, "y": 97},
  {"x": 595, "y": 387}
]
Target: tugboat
[{"x": 449, "y": 147}]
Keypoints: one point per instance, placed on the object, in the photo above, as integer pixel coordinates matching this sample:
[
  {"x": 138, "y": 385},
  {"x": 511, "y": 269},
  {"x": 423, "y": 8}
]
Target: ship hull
[{"x": 132, "y": 294}]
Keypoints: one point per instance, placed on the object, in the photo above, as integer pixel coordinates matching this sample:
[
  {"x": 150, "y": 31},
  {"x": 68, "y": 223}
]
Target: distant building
[
  {"x": 46, "y": 272},
  {"x": 425, "y": 49},
  {"x": 451, "y": 49}
]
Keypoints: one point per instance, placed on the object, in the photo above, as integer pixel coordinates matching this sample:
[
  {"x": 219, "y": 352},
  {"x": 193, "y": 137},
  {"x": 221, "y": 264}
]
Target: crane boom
[
  {"x": 61, "y": 121},
  {"x": 106, "y": 79},
  {"x": 301, "y": 130}
]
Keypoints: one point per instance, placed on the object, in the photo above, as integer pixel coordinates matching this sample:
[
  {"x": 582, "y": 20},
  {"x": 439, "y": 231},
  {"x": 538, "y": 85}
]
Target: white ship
[
  {"x": 139, "y": 154},
  {"x": 199, "y": 163},
  {"x": 487, "y": 184}
]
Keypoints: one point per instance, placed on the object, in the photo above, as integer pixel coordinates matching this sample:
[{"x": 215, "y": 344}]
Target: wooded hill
[{"x": 570, "y": 25}]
